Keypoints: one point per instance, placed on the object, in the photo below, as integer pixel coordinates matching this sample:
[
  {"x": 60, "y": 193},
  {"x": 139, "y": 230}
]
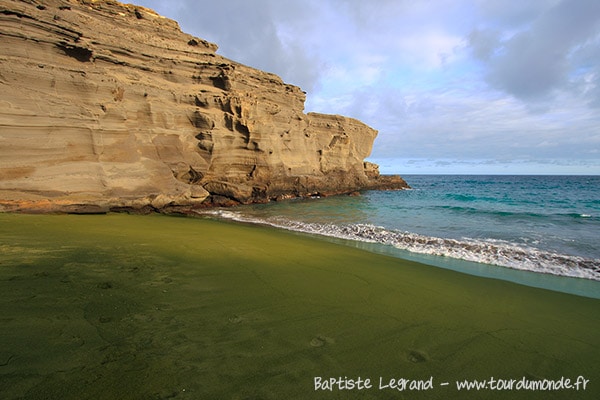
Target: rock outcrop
[{"x": 105, "y": 106}]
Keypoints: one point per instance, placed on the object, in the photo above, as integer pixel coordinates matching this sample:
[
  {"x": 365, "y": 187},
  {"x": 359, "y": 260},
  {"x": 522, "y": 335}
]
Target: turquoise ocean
[{"x": 541, "y": 231}]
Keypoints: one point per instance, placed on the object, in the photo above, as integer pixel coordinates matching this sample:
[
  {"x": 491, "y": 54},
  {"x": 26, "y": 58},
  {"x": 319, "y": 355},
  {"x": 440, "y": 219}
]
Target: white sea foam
[{"x": 489, "y": 251}]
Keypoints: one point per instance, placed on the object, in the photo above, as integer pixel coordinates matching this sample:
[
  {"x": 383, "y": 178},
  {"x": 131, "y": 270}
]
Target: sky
[{"x": 452, "y": 86}]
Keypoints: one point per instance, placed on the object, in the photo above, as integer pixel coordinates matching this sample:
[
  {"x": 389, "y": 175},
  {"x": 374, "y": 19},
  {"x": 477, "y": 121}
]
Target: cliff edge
[{"x": 106, "y": 106}]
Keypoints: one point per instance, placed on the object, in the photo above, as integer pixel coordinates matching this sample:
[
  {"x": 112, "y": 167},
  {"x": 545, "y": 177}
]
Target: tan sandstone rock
[{"x": 110, "y": 106}]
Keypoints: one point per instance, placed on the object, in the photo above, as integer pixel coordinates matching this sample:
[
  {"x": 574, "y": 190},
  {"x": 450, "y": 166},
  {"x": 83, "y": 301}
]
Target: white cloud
[
  {"x": 429, "y": 49},
  {"x": 538, "y": 61}
]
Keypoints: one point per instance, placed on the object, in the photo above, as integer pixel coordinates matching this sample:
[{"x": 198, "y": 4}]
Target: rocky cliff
[{"x": 107, "y": 106}]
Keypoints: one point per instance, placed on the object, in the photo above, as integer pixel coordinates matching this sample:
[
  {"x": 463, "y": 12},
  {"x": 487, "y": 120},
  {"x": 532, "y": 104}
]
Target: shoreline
[
  {"x": 576, "y": 285},
  {"x": 151, "y": 305}
]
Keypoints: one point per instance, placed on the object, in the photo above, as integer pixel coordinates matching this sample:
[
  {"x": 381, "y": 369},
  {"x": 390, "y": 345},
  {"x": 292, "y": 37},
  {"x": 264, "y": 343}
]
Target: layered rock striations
[{"x": 107, "y": 106}]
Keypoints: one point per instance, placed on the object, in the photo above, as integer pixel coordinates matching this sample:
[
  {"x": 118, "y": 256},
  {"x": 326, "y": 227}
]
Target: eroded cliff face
[{"x": 106, "y": 106}]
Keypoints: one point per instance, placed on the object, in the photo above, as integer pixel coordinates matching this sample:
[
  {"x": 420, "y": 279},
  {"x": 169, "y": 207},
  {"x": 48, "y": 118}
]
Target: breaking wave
[{"x": 488, "y": 251}]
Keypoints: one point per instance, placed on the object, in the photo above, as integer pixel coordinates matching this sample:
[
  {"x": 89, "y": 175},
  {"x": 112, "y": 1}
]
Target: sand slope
[{"x": 120, "y": 306}]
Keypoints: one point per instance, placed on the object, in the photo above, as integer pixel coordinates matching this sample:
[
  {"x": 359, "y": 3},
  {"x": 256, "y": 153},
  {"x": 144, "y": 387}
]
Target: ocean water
[{"x": 484, "y": 225}]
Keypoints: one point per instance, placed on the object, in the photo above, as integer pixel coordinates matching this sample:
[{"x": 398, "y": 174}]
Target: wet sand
[{"x": 155, "y": 307}]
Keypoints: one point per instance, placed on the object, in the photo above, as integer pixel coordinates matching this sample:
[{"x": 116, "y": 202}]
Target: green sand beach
[{"x": 154, "y": 307}]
